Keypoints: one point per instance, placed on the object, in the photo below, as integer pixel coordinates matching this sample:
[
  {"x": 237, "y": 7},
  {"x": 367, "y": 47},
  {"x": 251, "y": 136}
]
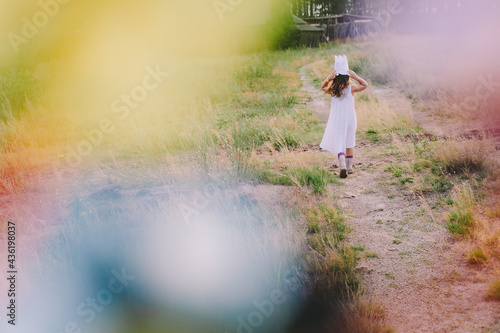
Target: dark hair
[{"x": 340, "y": 82}]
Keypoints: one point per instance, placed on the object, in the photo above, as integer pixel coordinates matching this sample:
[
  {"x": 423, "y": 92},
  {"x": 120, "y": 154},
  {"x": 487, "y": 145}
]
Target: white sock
[
  {"x": 349, "y": 163},
  {"x": 342, "y": 161}
]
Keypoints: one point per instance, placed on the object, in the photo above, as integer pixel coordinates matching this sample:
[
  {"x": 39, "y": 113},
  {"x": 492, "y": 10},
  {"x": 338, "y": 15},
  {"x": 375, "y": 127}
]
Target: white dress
[{"x": 340, "y": 131}]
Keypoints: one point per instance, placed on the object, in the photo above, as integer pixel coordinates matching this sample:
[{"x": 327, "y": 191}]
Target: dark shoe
[{"x": 343, "y": 173}]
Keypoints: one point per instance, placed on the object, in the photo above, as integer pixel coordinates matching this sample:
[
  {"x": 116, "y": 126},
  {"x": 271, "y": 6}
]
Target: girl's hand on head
[
  {"x": 351, "y": 73},
  {"x": 332, "y": 75}
]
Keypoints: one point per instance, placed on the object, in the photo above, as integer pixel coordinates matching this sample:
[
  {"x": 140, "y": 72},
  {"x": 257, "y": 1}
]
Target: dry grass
[
  {"x": 320, "y": 70},
  {"x": 463, "y": 157},
  {"x": 494, "y": 290},
  {"x": 333, "y": 275},
  {"x": 419, "y": 66},
  {"x": 366, "y": 316},
  {"x": 461, "y": 220},
  {"x": 476, "y": 256},
  {"x": 483, "y": 229},
  {"x": 375, "y": 113}
]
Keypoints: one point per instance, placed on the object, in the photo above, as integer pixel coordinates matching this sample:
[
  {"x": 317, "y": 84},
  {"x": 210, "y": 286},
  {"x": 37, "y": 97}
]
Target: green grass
[
  {"x": 337, "y": 271},
  {"x": 459, "y": 223},
  {"x": 316, "y": 178},
  {"x": 373, "y": 136},
  {"x": 250, "y": 137},
  {"x": 439, "y": 184},
  {"x": 395, "y": 169},
  {"x": 404, "y": 180},
  {"x": 371, "y": 255},
  {"x": 358, "y": 248},
  {"x": 421, "y": 165},
  {"x": 313, "y": 228},
  {"x": 390, "y": 276},
  {"x": 326, "y": 239},
  {"x": 324, "y": 214}
]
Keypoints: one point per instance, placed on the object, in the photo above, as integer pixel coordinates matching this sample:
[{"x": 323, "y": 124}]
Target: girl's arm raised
[
  {"x": 362, "y": 83},
  {"x": 330, "y": 77}
]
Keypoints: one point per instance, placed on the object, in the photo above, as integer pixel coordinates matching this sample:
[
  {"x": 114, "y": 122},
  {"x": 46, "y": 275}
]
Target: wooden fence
[
  {"x": 346, "y": 25},
  {"x": 310, "y": 36}
]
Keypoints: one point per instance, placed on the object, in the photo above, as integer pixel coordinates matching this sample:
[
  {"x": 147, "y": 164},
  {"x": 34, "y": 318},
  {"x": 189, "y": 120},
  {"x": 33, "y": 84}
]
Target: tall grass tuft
[
  {"x": 476, "y": 256},
  {"x": 461, "y": 218},
  {"x": 462, "y": 157},
  {"x": 363, "y": 315}
]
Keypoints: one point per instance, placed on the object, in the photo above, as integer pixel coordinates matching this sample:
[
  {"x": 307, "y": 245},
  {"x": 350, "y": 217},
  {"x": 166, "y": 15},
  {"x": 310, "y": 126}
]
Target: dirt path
[{"x": 408, "y": 263}]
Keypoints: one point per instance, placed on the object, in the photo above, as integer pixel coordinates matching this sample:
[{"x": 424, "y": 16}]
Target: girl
[{"x": 340, "y": 132}]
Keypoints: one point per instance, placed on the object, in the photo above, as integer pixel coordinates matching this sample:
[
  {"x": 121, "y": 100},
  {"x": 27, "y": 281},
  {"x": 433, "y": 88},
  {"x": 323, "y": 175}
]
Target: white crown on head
[{"x": 341, "y": 65}]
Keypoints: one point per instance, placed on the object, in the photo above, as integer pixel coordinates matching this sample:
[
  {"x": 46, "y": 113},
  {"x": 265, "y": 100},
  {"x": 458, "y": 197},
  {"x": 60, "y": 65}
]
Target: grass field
[{"x": 225, "y": 122}]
